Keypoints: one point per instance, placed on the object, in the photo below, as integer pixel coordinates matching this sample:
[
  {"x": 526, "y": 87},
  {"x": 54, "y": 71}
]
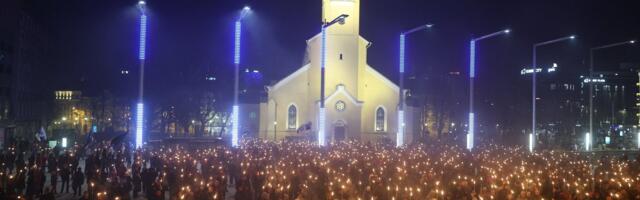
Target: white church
[{"x": 360, "y": 103}]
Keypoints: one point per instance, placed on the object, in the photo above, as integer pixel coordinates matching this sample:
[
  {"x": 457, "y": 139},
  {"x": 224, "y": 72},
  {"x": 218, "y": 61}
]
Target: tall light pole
[
  {"x": 141, "y": 57},
  {"x": 321, "y": 112},
  {"x": 235, "y": 118},
  {"x": 472, "y": 75},
  {"x": 401, "y": 101},
  {"x": 532, "y": 135},
  {"x": 591, "y": 52}
]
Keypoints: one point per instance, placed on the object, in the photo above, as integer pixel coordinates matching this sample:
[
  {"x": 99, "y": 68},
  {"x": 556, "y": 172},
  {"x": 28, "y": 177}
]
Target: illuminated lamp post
[
  {"x": 472, "y": 75},
  {"x": 141, "y": 57},
  {"x": 401, "y": 100},
  {"x": 235, "y": 118},
  {"x": 321, "y": 112},
  {"x": 591, "y": 82},
  {"x": 532, "y": 135}
]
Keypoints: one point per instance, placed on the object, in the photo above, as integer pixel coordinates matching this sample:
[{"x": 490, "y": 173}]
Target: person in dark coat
[
  {"x": 54, "y": 180},
  {"x": 20, "y": 181},
  {"x": 64, "y": 176},
  {"x": 137, "y": 180},
  {"x": 78, "y": 180},
  {"x": 52, "y": 163}
]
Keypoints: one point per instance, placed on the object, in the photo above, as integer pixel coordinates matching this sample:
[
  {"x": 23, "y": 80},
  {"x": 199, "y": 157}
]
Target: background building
[{"x": 24, "y": 52}]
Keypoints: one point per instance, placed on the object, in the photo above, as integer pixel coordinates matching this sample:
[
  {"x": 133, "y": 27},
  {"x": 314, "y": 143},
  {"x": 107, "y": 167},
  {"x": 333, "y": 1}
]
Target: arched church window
[
  {"x": 380, "y": 119},
  {"x": 292, "y": 117}
]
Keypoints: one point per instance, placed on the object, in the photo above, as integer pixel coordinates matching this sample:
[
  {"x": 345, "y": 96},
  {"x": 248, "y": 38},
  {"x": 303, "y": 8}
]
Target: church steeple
[{"x": 334, "y": 8}]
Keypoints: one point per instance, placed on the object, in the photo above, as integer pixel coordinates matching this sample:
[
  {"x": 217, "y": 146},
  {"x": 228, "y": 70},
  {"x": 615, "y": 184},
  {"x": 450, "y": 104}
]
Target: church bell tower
[{"x": 334, "y": 8}]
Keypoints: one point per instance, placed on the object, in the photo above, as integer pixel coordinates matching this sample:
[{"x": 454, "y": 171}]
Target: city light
[
  {"x": 400, "y": 137},
  {"x": 470, "y": 136},
  {"x": 402, "y": 36},
  {"x": 234, "y": 126},
  {"x": 64, "y": 142},
  {"x": 472, "y": 59},
  {"x": 139, "y": 124},
  {"x": 594, "y": 80},
  {"x": 638, "y": 138},
  {"x": 530, "y": 71},
  {"x": 143, "y": 37},
  {"x": 237, "y": 35},
  {"x": 587, "y": 141},
  {"x": 551, "y": 69},
  {"x": 531, "y": 142},
  {"x": 321, "y": 124}
]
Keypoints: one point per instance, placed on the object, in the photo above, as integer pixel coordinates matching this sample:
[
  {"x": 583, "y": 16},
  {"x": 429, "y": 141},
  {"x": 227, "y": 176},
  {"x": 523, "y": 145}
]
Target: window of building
[
  {"x": 292, "y": 117},
  {"x": 380, "y": 120}
]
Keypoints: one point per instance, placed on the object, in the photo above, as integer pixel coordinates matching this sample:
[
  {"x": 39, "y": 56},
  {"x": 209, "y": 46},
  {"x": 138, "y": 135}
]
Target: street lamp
[
  {"x": 472, "y": 75},
  {"x": 235, "y": 119},
  {"x": 591, "y": 52},
  {"x": 321, "y": 118},
  {"x": 532, "y": 135},
  {"x": 141, "y": 57},
  {"x": 401, "y": 101}
]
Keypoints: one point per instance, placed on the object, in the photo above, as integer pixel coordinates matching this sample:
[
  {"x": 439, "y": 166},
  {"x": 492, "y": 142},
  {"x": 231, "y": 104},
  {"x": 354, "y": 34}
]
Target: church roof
[
  {"x": 284, "y": 81},
  {"x": 342, "y": 90}
]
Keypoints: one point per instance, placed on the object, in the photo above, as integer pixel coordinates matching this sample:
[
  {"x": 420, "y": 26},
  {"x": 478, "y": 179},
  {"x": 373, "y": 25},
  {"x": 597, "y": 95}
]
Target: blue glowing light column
[
  {"x": 587, "y": 141},
  {"x": 400, "y": 133},
  {"x": 321, "y": 111},
  {"x": 472, "y": 75},
  {"x": 532, "y": 135},
  {"x": 141, "y": 57},
  {"x": 236, "y": 61},
  {"x": 401, "y": 98},
  {"x": 235, "y": 118},
  {"x": 323, "y": 54}
]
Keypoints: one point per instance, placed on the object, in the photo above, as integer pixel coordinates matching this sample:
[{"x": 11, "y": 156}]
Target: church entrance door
[{"x": 339, "y": 131}]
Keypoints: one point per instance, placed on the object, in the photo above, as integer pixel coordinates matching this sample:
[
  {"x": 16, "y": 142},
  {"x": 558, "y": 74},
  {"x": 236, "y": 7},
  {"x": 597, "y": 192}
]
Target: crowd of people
[{"x": 261, "y": 169}]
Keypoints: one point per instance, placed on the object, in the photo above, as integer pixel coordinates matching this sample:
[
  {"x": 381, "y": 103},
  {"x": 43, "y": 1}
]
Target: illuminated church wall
[{"x": 353, "y": 90}]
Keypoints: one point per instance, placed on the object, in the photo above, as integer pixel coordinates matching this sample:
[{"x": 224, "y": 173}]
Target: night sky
[{"x": 96, "y": 39}]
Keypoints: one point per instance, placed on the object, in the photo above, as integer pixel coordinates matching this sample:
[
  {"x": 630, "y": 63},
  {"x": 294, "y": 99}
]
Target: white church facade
[{"x": 361, "y": 104}]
